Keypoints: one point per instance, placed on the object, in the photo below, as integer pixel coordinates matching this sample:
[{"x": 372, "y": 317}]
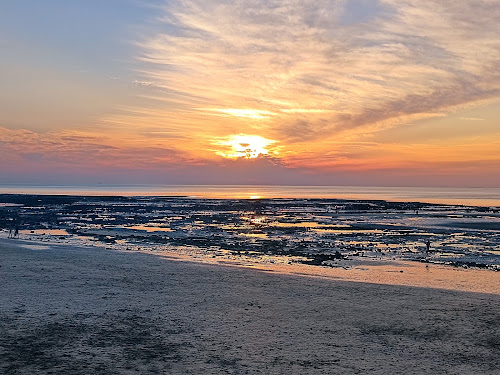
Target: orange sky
[{"x": 285, "y": 92}]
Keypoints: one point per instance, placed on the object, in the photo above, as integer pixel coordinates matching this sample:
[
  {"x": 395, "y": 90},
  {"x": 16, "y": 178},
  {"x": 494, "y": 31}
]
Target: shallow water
[{"x": 45, "y": 232}]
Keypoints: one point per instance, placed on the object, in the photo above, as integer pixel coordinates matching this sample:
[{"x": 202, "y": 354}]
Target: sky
[{"x": 291, "y": 92}]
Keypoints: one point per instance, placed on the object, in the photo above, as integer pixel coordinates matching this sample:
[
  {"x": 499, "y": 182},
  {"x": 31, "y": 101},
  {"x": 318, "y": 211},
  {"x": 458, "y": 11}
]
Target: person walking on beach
[
  {"x": 10, "y": 232},
  {"x": 16, "y": 232},
  {"x": 428, "y": 246}
]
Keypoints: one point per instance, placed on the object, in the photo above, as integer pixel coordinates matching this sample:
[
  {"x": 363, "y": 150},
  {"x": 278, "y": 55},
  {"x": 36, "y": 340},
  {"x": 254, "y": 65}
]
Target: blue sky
[{"x": 89, "y": 34}]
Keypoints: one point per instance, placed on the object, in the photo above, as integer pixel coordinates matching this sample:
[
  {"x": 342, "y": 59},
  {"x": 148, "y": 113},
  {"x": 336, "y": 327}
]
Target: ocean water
[{"x": 441, "y": 195}]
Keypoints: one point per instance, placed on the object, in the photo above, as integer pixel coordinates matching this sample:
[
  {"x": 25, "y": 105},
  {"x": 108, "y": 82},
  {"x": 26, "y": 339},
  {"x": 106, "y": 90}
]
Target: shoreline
[
  {"x": 373, "y": 271},
  {"x": 385, "y": 272}
]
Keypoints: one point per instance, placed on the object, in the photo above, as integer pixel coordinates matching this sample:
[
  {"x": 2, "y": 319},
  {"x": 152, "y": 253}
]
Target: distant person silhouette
[
  {"x": 10, "y": 232},
  {"x": 428, "y": 245},
  {"x": 16, "y": 232}
]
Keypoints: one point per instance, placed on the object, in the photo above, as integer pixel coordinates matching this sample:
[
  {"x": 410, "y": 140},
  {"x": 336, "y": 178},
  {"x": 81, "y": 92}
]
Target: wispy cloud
[
  {"x": 311, "y": 75},
  {"x": 471, "y": 118},
  {"x": 75, "y": 148}
]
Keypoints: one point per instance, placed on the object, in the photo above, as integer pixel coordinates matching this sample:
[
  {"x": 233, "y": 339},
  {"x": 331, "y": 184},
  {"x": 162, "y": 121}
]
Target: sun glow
[{"x": 245, "y": 146}]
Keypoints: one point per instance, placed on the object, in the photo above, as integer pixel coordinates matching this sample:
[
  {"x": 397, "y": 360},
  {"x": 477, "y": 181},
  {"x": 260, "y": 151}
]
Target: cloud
[
  {"x": 308, "y": 73},
  {"x": 70, "y": 156},
  {"x": 471, "y": 118},
  {"x": 77, "y": 157},
  {"x": 28, "y": 149}
]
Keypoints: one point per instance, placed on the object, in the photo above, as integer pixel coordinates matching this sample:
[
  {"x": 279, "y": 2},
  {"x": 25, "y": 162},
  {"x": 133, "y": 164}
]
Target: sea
[{"x": 487, "y": 197}]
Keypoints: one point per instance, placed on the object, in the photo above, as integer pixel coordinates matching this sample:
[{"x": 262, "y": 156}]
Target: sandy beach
[{"x": 88, "y": 310}]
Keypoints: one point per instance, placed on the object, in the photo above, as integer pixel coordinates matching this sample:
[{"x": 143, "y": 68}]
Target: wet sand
[
  {"x": 68, "y": 310},
  {"x": 362, "y": 269}
]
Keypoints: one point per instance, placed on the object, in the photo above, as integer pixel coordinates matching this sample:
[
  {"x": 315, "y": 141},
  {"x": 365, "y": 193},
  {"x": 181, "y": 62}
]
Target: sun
[{"x": 245, "y": 146}]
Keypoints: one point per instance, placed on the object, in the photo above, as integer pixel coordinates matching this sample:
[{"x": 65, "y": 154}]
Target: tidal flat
[{"x": 320, "y": 232}]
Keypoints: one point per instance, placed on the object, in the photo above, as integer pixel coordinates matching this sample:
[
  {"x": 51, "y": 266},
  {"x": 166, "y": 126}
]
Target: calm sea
[{"x": 464, "y": 196}]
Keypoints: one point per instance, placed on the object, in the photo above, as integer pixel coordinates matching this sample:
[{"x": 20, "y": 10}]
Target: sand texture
[{"x": 69, "y": 310}]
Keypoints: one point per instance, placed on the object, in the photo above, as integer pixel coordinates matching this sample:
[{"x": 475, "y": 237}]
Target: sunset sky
[{"x": 325, "y": 92}]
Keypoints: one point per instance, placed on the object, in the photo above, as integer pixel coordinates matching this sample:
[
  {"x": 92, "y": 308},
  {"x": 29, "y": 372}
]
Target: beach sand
[{"x": 69, "y": 310}]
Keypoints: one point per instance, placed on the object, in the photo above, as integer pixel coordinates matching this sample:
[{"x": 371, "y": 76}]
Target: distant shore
[
  {"x": 479, "y": 196},
  {"x": 86, "y": 310}
]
